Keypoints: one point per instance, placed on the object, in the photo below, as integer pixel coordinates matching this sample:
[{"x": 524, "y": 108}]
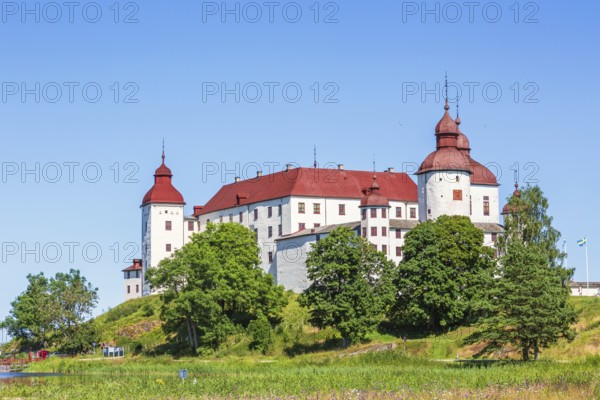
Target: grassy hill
[{"x": 136, "y": 326}]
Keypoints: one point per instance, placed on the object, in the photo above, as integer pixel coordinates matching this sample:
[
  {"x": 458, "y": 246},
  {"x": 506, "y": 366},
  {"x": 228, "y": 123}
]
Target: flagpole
[{"x": 587, "y": 272}]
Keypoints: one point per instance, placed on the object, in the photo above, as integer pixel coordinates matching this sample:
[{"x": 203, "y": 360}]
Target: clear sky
[{"x": 83, "y": 95}]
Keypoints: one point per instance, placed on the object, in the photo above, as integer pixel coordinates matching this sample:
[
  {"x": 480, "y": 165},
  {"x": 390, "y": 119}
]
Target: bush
[{"x": 260, "y": 332}]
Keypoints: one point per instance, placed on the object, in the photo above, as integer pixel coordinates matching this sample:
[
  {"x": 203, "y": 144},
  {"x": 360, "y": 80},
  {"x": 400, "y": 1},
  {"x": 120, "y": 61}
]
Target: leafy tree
[
  {"x": 444, "y": 270},
  {"x": 213, "y": 286},
  {"x": 52, "y": 312},
  {"x": 528, "y": 305},
  {"x": 351, "y": 286}
]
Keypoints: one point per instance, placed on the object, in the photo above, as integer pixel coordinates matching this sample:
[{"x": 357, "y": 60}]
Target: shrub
[{"x": 260, "y": 332}]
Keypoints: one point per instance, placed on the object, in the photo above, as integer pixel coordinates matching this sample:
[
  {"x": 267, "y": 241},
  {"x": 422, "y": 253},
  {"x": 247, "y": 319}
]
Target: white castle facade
[{"x": 291, "y": 209}]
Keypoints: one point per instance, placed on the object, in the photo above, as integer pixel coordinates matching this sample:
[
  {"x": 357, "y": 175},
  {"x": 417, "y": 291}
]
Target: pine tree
[{"x": 528, "y": 305}]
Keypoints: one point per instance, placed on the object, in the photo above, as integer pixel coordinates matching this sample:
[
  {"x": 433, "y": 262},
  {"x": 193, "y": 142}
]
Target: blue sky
[{"x": 533, "y": 106}]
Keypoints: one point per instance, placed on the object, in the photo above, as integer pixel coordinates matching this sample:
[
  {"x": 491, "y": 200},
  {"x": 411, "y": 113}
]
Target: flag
[{"x": 582, "y": 242}]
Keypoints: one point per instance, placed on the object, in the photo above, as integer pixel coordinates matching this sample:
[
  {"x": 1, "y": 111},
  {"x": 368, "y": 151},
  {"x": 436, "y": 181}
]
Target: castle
[{"x": 291, "y": 209}]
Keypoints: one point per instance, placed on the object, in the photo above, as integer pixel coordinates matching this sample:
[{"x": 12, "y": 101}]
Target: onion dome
[
  {"x": 480, "y": 174},
  {"x": 163, "y": 190},
  {"x": 462, "y": 142},
  {"x": 508, "y": 208},
  {"x": 372, "y": 197},
  {"x": 447, "y": 157}
]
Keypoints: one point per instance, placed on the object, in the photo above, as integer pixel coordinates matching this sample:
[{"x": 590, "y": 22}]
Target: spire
[
  {"x": 163, "y": 151},
  {"x": 374, "y": 184},
  {"x": 446, "y": 106},
  {"x": 315, "y": 157},
  {"x": 457, "y": 120}
]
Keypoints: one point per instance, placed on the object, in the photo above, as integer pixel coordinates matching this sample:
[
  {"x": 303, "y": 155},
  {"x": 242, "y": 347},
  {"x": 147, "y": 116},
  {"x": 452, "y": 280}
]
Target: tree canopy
[
  {"x": 527, "y": 307},
  {"x": 213, "y": 286},
  {"x": 53, "y": 313},
  {"x": 351, "y": 286},
  {"x": 445, "y": 268}
]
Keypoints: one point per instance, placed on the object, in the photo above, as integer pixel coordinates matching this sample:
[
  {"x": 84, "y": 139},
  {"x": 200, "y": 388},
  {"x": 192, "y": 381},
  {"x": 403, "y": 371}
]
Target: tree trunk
[
  {"x": 188, "y": 323},
  {"x": 536, "y": 351},
  {"x": 195, "y": 333},
  {"x": 525, "y": 352}
]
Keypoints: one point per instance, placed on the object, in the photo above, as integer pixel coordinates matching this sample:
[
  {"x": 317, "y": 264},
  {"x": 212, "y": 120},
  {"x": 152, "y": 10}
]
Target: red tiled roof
[
  {"x": 312, "y": 182},
  {"x": 163, "y": 190},
  {"x": 137, "y": 265}
]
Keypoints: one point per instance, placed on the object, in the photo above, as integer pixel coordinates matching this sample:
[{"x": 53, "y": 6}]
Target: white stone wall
[
  {"x": 583, "y": 291},
  {"x": 291, "y": 262},
  {"x": 155, "y": 237},
  {"x": 377, "y": 223},
  {"x": 135, "y": 286},
  {"x": 436, "y": 194},
  {"x": 478, "y": 192}
]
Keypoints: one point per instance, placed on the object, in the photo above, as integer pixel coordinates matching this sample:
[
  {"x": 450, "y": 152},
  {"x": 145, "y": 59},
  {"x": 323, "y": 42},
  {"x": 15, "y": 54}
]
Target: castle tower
[
  {"x": 375, "y": 217},
  {"x": 444, "y": 177},
  {"x": 162, "y": 220}
]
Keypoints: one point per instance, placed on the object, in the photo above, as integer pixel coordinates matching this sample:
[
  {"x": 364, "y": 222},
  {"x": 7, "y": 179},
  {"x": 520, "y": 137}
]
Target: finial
[
  {"x": 458, "y": 121},
  {"x": 163, "y": 151},
  {"x": 374, "y": 185},
  {"x": 315, "y": 154},
  {"x": 374, "y": 166},
  {"x": 446, "y": 106}
]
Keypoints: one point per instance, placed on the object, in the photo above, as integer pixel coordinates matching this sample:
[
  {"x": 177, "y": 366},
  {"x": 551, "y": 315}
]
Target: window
[
  {"x": 270, "y": 211},
  {"x": 241, "y": 216},
  {"x": 137, "y": 288},
  {"x": 398, "y": 251},
  {"x": 270, "y": 230},
  {"x": 383, "y": 231},
  {"x": 364, "y": 214},
  {"x": 383, "y": 213},
  {"x": 364, "y": 232},
  {"x": 373, "y": 213},
  {"x": 230, "y": 217},
  {"x": 342, "y": 209},
  {"x": 317, "y": 225},
  {"x": 486, "y": 205},
  {"x": 255, "y": 214},
  {"x": 384, "y": 248},
  {"x": 398, "y": 212},
  {"x": 398, "y": 233},
  {"x": 256, "y": 233},
  {"x": 457, "y": 195},
  {"x": 279, "y": 210},
  {"x": 221, "y": 219},
  {"x": 494, "y": 237},
  {"x": 301, "y": 208},
  {"x": 270, "y": 256},
  {"x": 128, "y": 289},
  {"x": 373, "y": 231},
  {"x": 280, "y": 230},
  {"x": 168, "y": 247},
  {"x": 317, "y": 208},
  {"x": 413, "y": 212},
  {"x": 301, "y": 226},
  {"x": 190, "y": 225},
  {"x": 168, "y": 225}
]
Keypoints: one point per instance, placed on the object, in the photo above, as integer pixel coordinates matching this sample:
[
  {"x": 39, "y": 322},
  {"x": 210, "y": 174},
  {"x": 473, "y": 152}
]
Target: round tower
[
  {"x": 375, "y": 217},
  {"x": 444, "y": 177},
  {"x": 162, "y": 220}
]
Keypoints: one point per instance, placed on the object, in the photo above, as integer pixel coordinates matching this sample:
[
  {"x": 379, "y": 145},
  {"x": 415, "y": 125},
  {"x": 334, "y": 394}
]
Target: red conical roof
[
  {"x": 163, "y": 190},
  {"x": 372, "y": 197},
  {"x": 447, "y": 156},
  {"x": 509, "y": 209}
]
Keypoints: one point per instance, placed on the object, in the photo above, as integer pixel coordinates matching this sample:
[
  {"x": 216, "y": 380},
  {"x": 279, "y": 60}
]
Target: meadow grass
[{"x": 388, "y": 374}]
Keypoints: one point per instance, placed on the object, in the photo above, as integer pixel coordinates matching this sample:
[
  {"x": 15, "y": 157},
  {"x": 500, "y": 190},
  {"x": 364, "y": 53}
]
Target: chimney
[
  {"x": 288, "y": 167},
  {"x": 137, "y": 262},
  {"x": 341, "y": 167},
  {"x": 237, "y": 179},
  {"x": 259, "y": 174},
  {"x": 390, "y": 170},
  {"x": 197, "y": 210}
]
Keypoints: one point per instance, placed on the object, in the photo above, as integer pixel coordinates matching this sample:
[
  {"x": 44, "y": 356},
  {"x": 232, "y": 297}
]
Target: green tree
[
  {"x": 528, "y": 305},
  {"x": 260, "y": 331},
  {"x": 213, "y": 286},
  {"x": 444, "y": 270},
  {"x": 52, "y": 312},
  {"x": 351, "y": 286}
]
